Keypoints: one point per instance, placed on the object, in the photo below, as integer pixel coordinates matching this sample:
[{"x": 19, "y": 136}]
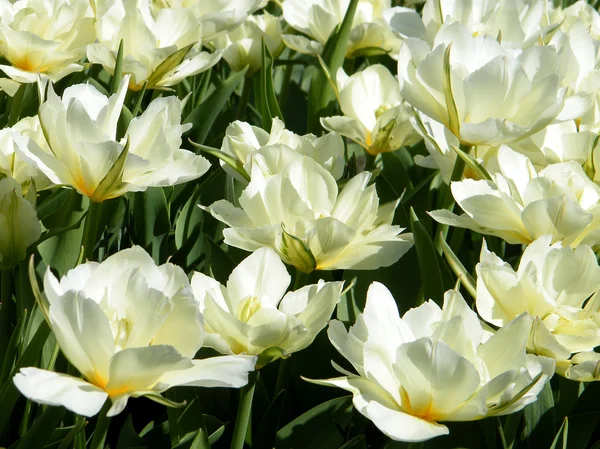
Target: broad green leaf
[
  {"x": 266, "y": 100},
  {"x": 429, "y": 263},
  {"x": 9, "y": 393},
  {"x": 321, "y": 96},
  {"x": 128, "y": 437},
  {"x": 318, "y": 427},
  {"x": 203, "y": 117},
  {"x": 358, "y": 442},
  {"x": 265, "y": 433},
  {"x": 41, "y": 430},
  {"x": 539, "y": 418},
  {"x": 62, "y": 251},
  {"x": 151, "y": 222}
]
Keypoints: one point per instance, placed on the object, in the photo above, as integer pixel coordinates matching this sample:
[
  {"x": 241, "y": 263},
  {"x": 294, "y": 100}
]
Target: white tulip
[
  {"x": 253, "y": 315},
  {"x": 295, "y": 209},
  {"x": 243, "y": 46},
  {"x": 317, "y": 19},
  {"x": 131, "y": 329},
  {"x": 375, "y": 115},
  {"x": 81, "y": 133},
  {"x": 46, "y": 38},
  {"x": 477, "y": 89},
  {"x": 519, "y": 204},
  {"x": 215, "y": 17},
  {"x": 433, "y": 365},
  {"x": 551, "y": 284},
  {"x": 19, "y": 225},
  {"x": 159, "y": 50},
  {"x": 242, "y": 140}
]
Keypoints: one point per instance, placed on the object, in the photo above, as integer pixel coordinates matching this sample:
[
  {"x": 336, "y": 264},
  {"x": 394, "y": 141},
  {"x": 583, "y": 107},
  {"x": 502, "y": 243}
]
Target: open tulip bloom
[
  {"x": 252, "y": 314},
  {"x": 131, "y": 329},
  {"x": 296, "y": 210},
  {"x": 477, "y": 89},
  {"x": 553, "y": 284},
  {"x": 83, "y": 150},
  {"x": 519, "y": 205},
  {"x": 375, "y": 116},
  {"x": 433, "y": 365}
]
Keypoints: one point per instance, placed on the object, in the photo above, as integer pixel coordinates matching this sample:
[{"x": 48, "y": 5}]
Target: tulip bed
[{"x": 299, "y": 224}]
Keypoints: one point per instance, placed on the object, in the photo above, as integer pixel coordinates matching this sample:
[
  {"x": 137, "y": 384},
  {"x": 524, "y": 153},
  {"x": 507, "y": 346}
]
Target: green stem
[
  {"x": 301, "y": 279},
  {"x": 6, "y": 311},
  {"x": 243, "y": 104},
  {"x": 202, "y": 436},
  {"x": 283, "y": 376},
  {"x": 448, "y": 199},
  {"x": 285, "y": 85},
  {"x": 242, "y": 419},
  {"x": 92, "y": 229},
  {"x": 101, "y": 429}
]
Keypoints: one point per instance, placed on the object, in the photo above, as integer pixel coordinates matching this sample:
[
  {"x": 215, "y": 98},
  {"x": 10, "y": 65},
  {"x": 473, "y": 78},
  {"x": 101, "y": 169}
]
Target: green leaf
[
  {"x": 267, "y": 428},
  {"x": 429, "y": 264},
  {"x": 564, "y": 430},
  {"x": 42, "y": 429},
  {"x": 539, "y": 418},
  {"x": 266, "y": 100},
  {"x": 358, "y": 442},
  {"x": 168, "y": 65},
  {"x": 62, "y": 251},
  {"x": 151, "y": 222},
  {"x": 318, "y": 427},
  {"x": 203, "y": 117},
  {"x": 453, "y": 119},
  {"x": 321, "y": 96},
  {"x": 117, "y": 77},
  {"x": 128, "y": 437},
  {"x": 78, "y": 427},
  {"x": 113, "y": 180},
  {"x": 9, "y": 393},
  {"x": 11, "y": 350},
  {"x": 473, "y": 164},
  {"x": 459, "y": 269},
  {"x": 232, "y": 161}
]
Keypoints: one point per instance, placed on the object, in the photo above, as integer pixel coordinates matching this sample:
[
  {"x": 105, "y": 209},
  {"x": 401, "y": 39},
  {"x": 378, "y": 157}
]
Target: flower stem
[
  {"x": 283, "y": 376},
  {"x": 101, "y": 429},
  {"x": 300, "y": 280},
  {"x": 92, "y": 229},
  {"x": 242, "y": 419}
]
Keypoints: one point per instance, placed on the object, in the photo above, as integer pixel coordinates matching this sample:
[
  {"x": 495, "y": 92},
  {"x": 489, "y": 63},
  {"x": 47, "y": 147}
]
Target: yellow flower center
[{"x": 248, "y": 307}]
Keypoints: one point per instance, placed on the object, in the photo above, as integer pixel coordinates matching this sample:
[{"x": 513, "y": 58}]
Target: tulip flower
[
  {"x": 19, "y": 225},
  {"x": 242, "y": 140},
  {"x": 553, "y": 284},
  {"x": 13, "y": 163},
  {"x": 81, "y": 133},
  {"x": 433, "y": 365},
  {"x": 317, "y": 19},
  {"x": 158, "y": 51},
  {"x": 46, "y": 38},
  {"x": 243, "y": 46},
  {"x": 375, "y": 116},
  {"x": 253, "y": 315},
  {"x": 131, "y": 329},
  {"x": 296, "y": 210},
  {"x": 519, "y": 205},
  {"x": 215, "y": 17},
  {"x": 477, "y": 89}
]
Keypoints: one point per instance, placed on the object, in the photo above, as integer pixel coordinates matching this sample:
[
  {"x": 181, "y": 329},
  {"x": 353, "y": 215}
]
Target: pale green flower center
[
  {"x": 248, "y": 307},
  {"x": 382, "y": 109}
]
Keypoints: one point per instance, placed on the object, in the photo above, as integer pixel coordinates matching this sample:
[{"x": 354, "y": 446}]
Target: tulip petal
[
  {"x": 47, "y": 387},
  {"x": 222, "y": 371}
]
